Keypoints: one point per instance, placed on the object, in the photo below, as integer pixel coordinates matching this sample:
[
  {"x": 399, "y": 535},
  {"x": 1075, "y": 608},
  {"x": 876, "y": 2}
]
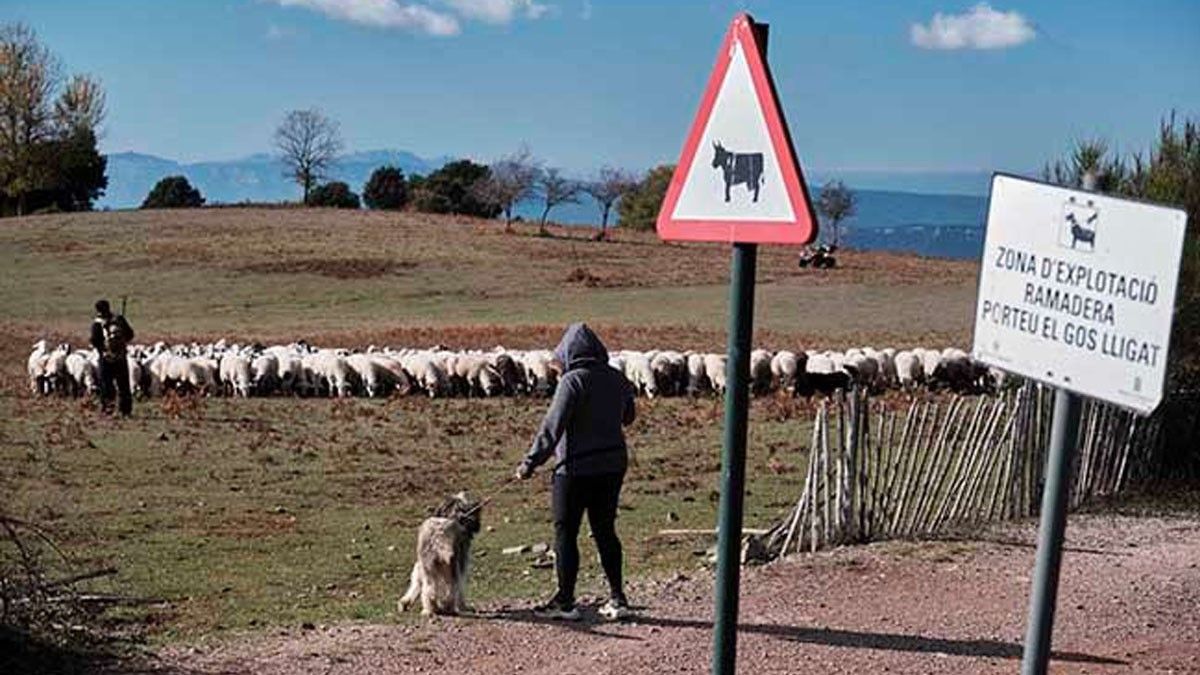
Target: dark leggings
[
  {"x": 598, "y": 496},
  {"x": 114, "y": 382}
]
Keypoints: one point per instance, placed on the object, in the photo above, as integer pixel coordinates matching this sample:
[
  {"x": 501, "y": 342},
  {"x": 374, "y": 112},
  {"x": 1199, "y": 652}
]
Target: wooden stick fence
[{"x": 877, "y": 472}]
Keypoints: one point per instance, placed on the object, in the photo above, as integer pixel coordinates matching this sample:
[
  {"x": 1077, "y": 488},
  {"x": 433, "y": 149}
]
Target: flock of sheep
[{"x": 299, "y": 369}]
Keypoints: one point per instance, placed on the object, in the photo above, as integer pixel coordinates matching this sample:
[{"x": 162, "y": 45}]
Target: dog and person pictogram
[{"x": 1079, "y": 224}]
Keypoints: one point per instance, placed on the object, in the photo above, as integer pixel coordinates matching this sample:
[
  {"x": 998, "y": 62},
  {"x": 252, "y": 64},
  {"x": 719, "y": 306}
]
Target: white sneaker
[{"x": 615, "y": 610}]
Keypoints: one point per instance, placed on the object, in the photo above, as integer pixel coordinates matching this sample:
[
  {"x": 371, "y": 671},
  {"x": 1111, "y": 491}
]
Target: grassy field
[
  {"x": 249, "y": 513},
  {"x": 245, "y": 514},
  {"x": 291, "y": 272}
]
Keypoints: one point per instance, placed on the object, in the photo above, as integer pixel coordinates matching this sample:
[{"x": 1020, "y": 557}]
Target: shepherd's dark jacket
[
  {"x": 117, "y": 324},
  {"x": 593, "y": 401}
]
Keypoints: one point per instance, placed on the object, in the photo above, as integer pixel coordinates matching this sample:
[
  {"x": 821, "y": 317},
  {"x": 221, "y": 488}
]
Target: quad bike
[{"x": 820, "y": 257}]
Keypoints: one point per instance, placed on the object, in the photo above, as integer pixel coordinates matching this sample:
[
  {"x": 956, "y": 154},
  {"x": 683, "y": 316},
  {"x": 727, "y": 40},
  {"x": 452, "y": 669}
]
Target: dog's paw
[{"x": 401, "y": 606}]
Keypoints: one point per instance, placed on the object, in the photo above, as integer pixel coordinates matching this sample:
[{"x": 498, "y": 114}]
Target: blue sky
[{"x": 1004, "y": 86}]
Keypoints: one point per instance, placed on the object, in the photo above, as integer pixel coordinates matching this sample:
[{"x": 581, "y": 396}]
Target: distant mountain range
[
  {"x": 257, "y": 178},
  {"x": 931, "y": 213}
]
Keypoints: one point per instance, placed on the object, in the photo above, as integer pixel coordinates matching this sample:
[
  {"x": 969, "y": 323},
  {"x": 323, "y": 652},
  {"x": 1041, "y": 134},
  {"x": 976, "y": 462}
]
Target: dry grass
[{"x": 375, "y": 277}]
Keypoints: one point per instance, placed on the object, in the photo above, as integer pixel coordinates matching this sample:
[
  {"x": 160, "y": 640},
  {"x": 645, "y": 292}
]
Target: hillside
[{"x": 379, "y": 277}]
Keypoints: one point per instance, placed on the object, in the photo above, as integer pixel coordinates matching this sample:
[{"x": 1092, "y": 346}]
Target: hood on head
[{"x": 580, "y": 347}]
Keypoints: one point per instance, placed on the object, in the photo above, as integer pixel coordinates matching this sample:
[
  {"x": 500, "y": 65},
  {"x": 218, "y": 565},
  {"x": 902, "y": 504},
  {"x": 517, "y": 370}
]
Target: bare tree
[
  {"x": 836, "y": 203},
  {"x": 308, "y": 143},
  {"x": 80, "y": 106},
  {"x": 511, "y": 181},
  {"x": 609, "y": 186},
  {"x": 29, "y": 75},
  {"x": 555, "y": 189}
]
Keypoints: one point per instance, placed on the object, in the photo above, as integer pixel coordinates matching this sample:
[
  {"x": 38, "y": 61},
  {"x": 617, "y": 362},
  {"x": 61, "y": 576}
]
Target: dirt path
[{"x": 1129, "y": 602}]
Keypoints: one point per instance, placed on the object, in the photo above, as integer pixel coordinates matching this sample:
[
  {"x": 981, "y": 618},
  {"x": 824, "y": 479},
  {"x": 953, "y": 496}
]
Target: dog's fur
[{"x": 439, "y": 576}]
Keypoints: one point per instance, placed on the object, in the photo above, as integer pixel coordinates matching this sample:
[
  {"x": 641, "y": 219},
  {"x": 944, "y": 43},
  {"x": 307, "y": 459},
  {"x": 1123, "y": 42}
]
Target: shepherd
[
  {"x": 111, "y": 335},
  {"x": 583, "y": 430}
]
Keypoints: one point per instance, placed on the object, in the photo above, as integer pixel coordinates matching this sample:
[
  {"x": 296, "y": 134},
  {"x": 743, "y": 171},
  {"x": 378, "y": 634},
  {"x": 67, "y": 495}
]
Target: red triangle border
[{"x": 803, "y": 228}]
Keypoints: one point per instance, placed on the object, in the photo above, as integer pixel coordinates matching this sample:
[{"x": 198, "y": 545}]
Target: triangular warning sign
[{"x": 738, "y": 179}]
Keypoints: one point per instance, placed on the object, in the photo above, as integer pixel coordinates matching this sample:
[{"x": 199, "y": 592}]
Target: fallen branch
[{"x": 71, "y": 580}]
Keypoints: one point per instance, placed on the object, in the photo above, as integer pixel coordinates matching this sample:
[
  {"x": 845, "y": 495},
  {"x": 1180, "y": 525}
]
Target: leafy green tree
[
  {"x": 173, "y": 192},
  {"x": 836, "y": 203},
  {"x": 638, "y": 209},
  {"x": 48, "y": 156},
  {"x": 452, "y": 189},
  {"x": 74, "y": 173},
  {"x": 386, "y": 189},
  {"x": 334, "y": 194}
]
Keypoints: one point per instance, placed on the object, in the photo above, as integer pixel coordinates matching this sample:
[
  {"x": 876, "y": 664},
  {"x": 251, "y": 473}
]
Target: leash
[
  {"x": 487, "y": 500},
  {"x": 513, "y": 479}
]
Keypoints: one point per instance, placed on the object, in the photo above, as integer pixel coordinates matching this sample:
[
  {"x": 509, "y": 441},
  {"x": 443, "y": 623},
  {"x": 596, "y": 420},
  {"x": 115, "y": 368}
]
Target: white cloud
[
  {"x": 498, "y": 11},
  {"x": 980, "y": 28},
  {"x": 383, "y": 14},
  {"x": 419, "y": 17}
]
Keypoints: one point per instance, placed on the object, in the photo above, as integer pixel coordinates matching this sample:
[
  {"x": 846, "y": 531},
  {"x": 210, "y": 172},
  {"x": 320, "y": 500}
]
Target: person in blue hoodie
[{"x": 583, "y": 431}]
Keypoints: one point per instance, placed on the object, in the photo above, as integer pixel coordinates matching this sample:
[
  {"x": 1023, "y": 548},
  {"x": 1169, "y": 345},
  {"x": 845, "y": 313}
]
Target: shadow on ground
[{"x": 831, "y": 637}]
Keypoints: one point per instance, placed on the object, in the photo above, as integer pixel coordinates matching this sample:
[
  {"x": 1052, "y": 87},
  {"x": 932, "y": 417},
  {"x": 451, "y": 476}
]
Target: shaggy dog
[{"x": 439, "y": 576}]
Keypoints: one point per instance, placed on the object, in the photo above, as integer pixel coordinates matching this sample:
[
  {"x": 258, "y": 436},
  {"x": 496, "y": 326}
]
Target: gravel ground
[{"x": 1129, "y": 602}]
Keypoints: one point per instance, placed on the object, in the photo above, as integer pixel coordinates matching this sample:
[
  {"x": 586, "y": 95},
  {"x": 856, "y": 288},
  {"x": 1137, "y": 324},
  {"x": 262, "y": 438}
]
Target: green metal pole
[
  {"x": 1064, "y": 438},
  {"x": 733, "y": 458},
  {"x": 1043, "y": 596}
]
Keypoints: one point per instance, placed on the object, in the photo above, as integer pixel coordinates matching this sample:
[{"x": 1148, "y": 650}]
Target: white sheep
[
  {"x": 786, "y": 369},
  {"x": 36, "y": 367},
  {"x": 670, "y": 371},
  {"x": 825, "y": 371},
  {"x": 640, "y": 373},
  {"x": 715, "y": 368},
  {"x": 334, "y": 373},
  {"x": 137, "y": 376},
  {"x": 264, "y": 372},
  {"x": 235, "y": 375},
  {"x": 54, "y": 373},
  {"x": 84, "y": 378},
  {"x": 760, "y": 371},
  {"x": 910, "y": 369},
  {"x": 697, "y": 378}
]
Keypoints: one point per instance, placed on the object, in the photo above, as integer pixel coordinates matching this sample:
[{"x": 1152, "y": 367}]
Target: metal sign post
[
  {"x": 1076, "y": 290},
  {"x": 1064, "y": 437},
  {"x": 737, "y": 182},
  {"x": 733, "y": 457}
]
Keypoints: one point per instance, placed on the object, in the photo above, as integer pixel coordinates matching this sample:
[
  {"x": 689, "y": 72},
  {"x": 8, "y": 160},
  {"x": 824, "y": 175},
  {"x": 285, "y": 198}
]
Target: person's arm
[
  {"x": 126, "y": 328},
  {"x": 553, "y": 427},
  {"x": 97, "y": 336}
]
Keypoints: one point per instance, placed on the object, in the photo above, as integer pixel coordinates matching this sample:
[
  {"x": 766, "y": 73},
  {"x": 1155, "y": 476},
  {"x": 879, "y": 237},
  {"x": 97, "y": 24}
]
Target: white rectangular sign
[{"x": 1077, "y": 290}]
